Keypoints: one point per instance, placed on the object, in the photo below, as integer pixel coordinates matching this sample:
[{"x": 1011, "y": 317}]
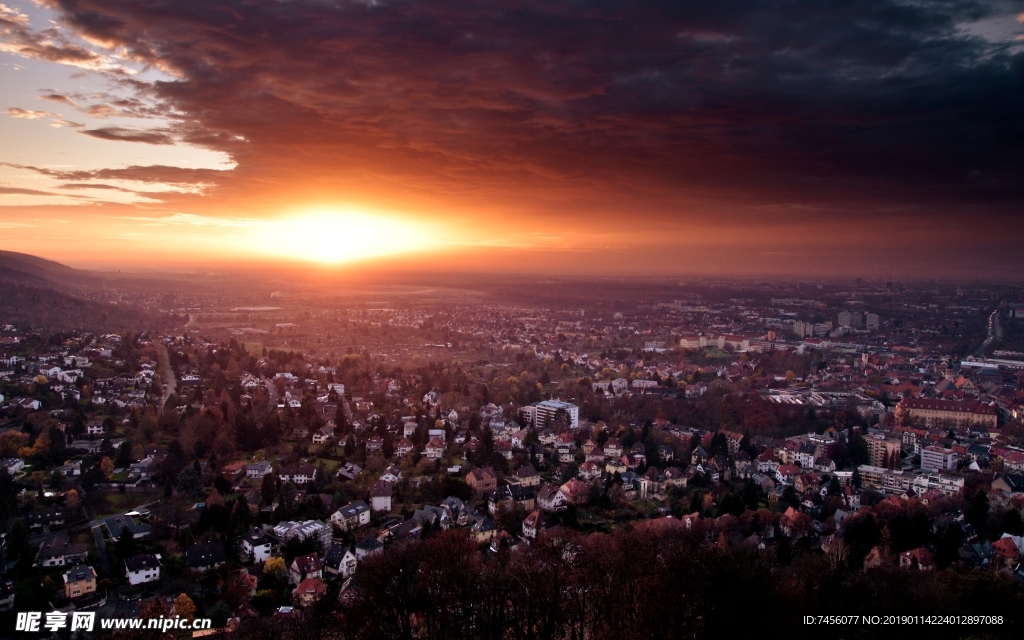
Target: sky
[{"x": 794, "y": 137}]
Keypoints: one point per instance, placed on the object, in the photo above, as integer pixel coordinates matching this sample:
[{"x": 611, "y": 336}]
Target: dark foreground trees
[{"x": 642, "y": 582}]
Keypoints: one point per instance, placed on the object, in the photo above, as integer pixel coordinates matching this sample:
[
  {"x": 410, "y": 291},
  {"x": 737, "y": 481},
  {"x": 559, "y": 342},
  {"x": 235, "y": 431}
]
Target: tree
[
  {"x": 184, "y": 607},
  {"x": 510, "y": 517},
  {"x": 268, "y": 488},
  {"x": 221, "y": 484},
  {"x": 189, "y": 482},
  {"x": 977, "y": 513},
  {"x": 274, "y": 566},
  {"x": 125, "y": 544},
  {"x": 732, "y": 504},
  {"x": 719, "y": 445},
  {"x": 107, "y": 467},
  {"x": 1012, "y": 523},
  {"x": 124, "y": 455},
  {"x": 73, "y": 501},
  {"x": 19, "y": 545}
]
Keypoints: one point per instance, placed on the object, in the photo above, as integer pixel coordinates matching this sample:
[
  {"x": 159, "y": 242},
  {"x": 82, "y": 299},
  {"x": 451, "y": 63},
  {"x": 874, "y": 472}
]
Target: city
[{"x": 271, "y": 453}]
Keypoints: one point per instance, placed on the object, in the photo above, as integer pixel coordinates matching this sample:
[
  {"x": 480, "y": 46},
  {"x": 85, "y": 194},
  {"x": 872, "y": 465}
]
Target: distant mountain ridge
[
  {"x": 33, "y": 270},
  {"x": 47, "y": 295}
]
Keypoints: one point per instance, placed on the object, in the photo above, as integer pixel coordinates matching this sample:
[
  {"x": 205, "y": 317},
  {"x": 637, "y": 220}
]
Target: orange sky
[{"x": 635, "y": 139}]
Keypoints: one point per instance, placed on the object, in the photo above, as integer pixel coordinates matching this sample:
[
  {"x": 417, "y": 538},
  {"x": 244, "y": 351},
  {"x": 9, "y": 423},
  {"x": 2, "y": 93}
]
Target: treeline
[{"x": 640, "y": 582}]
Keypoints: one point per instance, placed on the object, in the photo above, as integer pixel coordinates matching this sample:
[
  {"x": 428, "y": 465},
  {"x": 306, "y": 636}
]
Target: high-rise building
[
  {"x": 851, "y": 319},
  {"x": 883, "y": 452},
  {"x": 936, "y": 458},
  {"x": 544, "y": 413},
  {"x": 872, "y": 322}
]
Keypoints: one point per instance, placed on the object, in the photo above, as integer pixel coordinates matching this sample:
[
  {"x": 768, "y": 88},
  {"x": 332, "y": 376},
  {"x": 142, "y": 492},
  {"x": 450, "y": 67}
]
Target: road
[
  {"x": 101, "y": 548},
  {"x": 995, "y": 332},
  {"x": 166, "y": 374}
]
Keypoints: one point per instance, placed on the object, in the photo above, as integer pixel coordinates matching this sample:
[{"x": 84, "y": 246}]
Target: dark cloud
[
  {"x": 18, "y": 191},
  {"x": 590, "y": 109},
  {"x": 49, "y": 44},
  {"x": 149, "y": 174},
  {"x": 130, "y": 135},
  {"x": 57, "y": 97},
  {"x": 91, "y": 185},
  {"x": 22, "y": 192}
]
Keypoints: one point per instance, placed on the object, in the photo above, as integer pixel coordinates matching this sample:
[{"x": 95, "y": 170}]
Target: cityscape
[
  {"x": 275, "y": 454},
  {"x": 583, "y": 321}
]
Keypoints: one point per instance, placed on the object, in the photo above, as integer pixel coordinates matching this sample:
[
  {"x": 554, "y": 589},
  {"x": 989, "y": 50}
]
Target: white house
[
  {"x": 142, "y": 568},
  {"x": 351, "y": 516},
  {"x": 296, "y": 475},
  {"x": 549, "y": 498},
  {"x": 257, "y": 546},
  {"x": 259, "y": 469},
  {"x": 340, "y": 560},
  {"x": 13, "y": 465},
  {"x": 435, "y": 449},
  {"x": 380, "y": 496}
]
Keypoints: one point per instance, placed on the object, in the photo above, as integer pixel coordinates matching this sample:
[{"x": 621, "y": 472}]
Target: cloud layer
[{"x": 716, "y": 115}]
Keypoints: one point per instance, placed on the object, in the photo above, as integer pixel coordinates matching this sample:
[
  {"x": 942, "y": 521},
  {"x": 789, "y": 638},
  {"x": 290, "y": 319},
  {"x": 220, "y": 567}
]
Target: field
[{"x": 106, "y": 503}]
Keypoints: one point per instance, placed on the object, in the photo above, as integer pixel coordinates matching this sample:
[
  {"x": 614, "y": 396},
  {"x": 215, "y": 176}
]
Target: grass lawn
[
  {"x": 106, "y": 503},
  {"x": 330, "y": 465}
]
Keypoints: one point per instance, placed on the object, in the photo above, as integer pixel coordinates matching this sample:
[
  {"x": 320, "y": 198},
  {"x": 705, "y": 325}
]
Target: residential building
[
  {"x": 340, "y": 560},
  {"x": 947, "y": 413},
  {"x": 527, "y": 476},
  {"x": 305, "y": 530},
  {"x": 257, "y": 470},
  {"x": 59, "y": 551},
  {"x": 351, "y": 516},
  {"x": 380, "y": 496},
  {"x": 510, "y": 494},
  {"x": 303, "y": 567},
  {"x": 883, "y": 452},
  {"x": 296, "y": 475},
  {"x": 434, "y": 449},
  {"x": 544, "y": 414},
  {"x": 117, "y": 524},
  {"x": 935, "y": 458},
  {"x": 549, "y": 498},
  {"x": 80, "y": 581},
  {"x": 142, "y": 568},
  {"x": 257, "y": 546},
  {"x": 203, "y": 557},
  {"x": 309, "y": 591},
  {"x": 482, "y": 481}
]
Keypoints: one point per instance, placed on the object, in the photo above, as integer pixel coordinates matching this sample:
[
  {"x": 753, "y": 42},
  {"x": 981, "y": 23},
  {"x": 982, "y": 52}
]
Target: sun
[{"x": 339, "y": 236}]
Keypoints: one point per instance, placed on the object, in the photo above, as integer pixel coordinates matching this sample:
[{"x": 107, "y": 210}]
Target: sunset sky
[{"x": 876, "y": 138}]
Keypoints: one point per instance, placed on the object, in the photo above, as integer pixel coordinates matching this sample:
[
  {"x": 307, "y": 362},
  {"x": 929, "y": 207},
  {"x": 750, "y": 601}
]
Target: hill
[
  {"x": 42, "y": 293},
  {"x": 28, "y": 269}
]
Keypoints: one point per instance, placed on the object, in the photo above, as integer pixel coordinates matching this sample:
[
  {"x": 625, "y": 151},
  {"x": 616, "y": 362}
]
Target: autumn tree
[
  {"x": 107, "y": 467},
  {"x": 184, "y": 607}
]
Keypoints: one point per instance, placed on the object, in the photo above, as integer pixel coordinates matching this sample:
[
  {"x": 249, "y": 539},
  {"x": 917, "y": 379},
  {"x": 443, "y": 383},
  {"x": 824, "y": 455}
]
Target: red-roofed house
[
  {"x": 919, "y": 558},
  {"x": 309, "y": 591}
]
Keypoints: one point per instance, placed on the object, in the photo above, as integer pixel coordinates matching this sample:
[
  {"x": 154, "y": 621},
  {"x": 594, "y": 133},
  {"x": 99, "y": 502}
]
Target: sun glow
[{"x": 334, "y": 237}]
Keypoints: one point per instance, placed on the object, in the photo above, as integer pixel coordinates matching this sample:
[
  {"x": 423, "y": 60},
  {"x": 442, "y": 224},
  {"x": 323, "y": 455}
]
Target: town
[{"x": 276, "y": 456}]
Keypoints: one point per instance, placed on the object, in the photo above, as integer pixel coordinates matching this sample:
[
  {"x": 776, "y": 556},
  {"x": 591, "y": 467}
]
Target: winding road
[
  {"x": 166, "y": 375},
  {"x": 995, "y": 332}
]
